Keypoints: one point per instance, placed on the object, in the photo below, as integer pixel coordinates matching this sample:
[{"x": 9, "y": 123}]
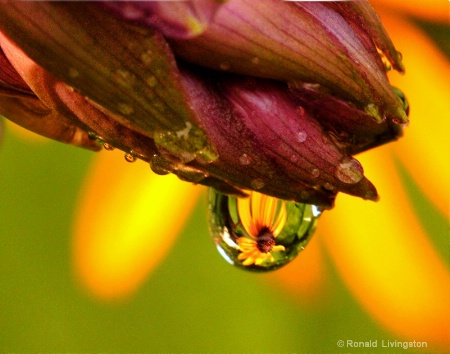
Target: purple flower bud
[{"x": 270, "y": 96}]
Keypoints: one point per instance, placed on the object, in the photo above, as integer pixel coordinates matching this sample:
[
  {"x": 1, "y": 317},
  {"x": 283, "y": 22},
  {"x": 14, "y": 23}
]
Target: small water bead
[
  {"x": 74, "y": 73},
  {"x": 160, "y": 165},
  {"x": 130, "y": 156},
  {"x": 259, "y": 233},
  {"x": 125, "y": 108},
  {"x": 257, "y": 183},
  {"x": 108, "y": 146},
  {"x": 315, "y": 172},
  {"x": 244, "y": 159},
  {"x": 301, "y": 136}
]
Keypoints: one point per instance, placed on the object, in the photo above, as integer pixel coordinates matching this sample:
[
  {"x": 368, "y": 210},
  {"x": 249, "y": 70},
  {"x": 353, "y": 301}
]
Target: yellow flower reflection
[
  {"x": 263, "y": 218},
  {"x": 380, "y": 250}
]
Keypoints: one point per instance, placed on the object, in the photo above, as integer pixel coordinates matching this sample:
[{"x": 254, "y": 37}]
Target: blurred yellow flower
[{"x": 380, "y": 250}]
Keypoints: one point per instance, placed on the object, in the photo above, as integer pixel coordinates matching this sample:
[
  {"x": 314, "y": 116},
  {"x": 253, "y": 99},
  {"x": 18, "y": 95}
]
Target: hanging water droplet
[
  {"x": 130, "y": 156},
  {"x": 160, "y": 165},
  {"x": 244, "y": 159},
  {"x": 108, "y": 146},
  {"x": 349, "y": 171},
  {"x": 92, "y": 136},
  {"x": 255, "y": 60},
  {"x": 259, "y": 233},
  {"x": 328, "y": 186}
]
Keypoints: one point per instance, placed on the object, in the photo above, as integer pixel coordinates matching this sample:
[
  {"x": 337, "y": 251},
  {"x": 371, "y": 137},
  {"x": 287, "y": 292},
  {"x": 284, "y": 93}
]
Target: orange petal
[
  {"x": 304, "y": 278},
  {"x": 127, "y": 220},
  {"x": 424, "y": 148},
  {"x": 432, "y": 10},
  {"x": 385, "y": 258}
]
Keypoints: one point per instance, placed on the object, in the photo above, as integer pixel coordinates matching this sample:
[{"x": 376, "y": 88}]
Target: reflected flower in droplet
[{"x": 259, "y": 232}]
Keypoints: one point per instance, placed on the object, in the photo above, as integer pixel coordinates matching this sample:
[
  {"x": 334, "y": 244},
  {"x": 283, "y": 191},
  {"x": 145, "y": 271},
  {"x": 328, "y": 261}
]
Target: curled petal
[
  {"x": 281, "y": 149},
  {"x": 10, "y": 81},
  {"x": 133, "y": 66},
  {"x": 174, "y": 19},
  {"x": 298, "y": 41},
  {"x": 33, "y": 115}
]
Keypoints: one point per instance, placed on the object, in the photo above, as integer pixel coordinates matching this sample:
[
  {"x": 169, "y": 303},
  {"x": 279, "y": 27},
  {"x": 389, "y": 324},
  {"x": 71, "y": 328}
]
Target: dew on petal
[
  {"x": 257, "y": 183},
  {"x": 349, "y": 171},
  {"x": 244, "y": 159},
  {"x": 315, "y": 172},
  {"x": 259, "y": 232},
  {"x": 301, "y": 136},
  {"x": 125, "y": 109},
  {"x": 159, "y": 165}
]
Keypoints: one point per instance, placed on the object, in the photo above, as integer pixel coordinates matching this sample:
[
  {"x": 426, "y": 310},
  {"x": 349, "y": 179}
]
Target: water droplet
[
  {"x": 93, "y": 136},
  {"x": 301, "y": 136},
  {"x": 349, "y": 171},
  {"x": 125, "y": 108},
  {"x": 259, "y": 233},
  {"x": 257, "y": 183},
  {"x": 130, "y": 156},
  {"x": 224, "y": 66},
  {"x": 244, "y": 159},
  {"x": 151, "y": 81},
  {"x": 187, "y": 144},
  {"x": 108, "y": 146},
  {"x": 315, "y": 172},
  {"x": 147, "y": 57},
  {"x": 123, "y": 77},
  {"x": 294, "y": 158},
  {"x": 160, "y": 165},
  {"x": 74, "y": 73}
]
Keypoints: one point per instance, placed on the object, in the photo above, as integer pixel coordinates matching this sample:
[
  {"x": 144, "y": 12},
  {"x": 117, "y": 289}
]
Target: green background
[{"x": 193, "y": 302}]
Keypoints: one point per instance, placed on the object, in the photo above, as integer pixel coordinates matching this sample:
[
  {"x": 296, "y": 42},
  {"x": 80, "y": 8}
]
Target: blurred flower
[{"x": 209, "y": 90}]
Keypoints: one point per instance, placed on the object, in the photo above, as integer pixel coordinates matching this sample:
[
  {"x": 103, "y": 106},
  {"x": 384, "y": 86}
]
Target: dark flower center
[{"x": 265, "y": 240}]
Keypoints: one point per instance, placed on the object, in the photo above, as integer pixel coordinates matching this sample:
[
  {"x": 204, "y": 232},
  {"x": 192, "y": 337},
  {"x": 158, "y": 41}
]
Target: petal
[
  {"x": 87, "y": 48},
  {"x": 175, "y": 19},
  {"x": 10, "y": 81},
  {"x": 296, "y": 41},
  {"x": 127, "y": 220},
  {"x": 287, "y": 154},
  {"x": 424, "y": 149},
  {"x": 385, "y": 258},
  {"x": 33, "y": 115}
]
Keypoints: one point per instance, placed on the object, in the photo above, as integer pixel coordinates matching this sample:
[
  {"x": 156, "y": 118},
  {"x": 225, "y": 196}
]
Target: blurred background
[{"x": 373, "y": 271}]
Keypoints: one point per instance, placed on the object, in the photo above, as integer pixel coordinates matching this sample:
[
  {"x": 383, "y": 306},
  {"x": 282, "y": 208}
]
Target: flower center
[{"x": 265, "y": 240}]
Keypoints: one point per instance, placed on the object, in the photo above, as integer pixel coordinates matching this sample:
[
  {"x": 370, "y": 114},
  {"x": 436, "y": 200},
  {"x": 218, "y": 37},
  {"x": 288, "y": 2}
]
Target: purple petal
[{"x": 174, "y": 19}]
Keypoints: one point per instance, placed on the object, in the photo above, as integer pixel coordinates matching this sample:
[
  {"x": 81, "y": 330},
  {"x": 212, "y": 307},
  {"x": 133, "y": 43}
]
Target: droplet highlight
[
  {"x": 257, "y": 183},
  {"x": 259, "y": 233},
  {"x": 301, "y": 136}
]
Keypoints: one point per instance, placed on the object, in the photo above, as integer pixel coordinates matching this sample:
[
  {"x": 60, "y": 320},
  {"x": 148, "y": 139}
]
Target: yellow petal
[
  {"x": 127, "y": 220},
  {"x": 433, "y": 10},
  {"x": 424, "y": 147},
  {"x": 385, "y": 258}
]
